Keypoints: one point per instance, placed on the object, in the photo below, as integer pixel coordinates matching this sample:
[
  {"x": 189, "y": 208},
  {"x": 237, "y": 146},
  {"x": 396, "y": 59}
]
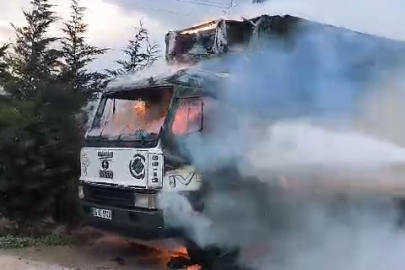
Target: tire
[{"x": 210, "y": 256}]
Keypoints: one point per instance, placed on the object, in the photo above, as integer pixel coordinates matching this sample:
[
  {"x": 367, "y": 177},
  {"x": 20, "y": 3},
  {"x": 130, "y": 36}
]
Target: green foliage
[
  {"x": 39, "y": 146},
  {"x": 4, "y": 73},
  {"x": 34, "y": 60},
  {"x": 40, "y": 135},
  {"x": 140, "y": 53},
  {"x": 77, "y": 54},
  {"x": 15, "y": 242},
  {"x": 41, "y": 130}
]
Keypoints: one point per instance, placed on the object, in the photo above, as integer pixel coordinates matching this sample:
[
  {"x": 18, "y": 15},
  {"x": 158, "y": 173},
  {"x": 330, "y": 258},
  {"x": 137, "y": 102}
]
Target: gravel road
[{"x": 106, "y": 253}]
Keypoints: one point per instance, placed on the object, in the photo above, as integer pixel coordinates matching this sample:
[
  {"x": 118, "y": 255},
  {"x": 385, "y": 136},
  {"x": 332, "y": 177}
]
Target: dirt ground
[{"x": 106, "y": 253}]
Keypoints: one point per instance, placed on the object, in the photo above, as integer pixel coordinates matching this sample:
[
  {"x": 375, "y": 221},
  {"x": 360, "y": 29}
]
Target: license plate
[
  {"x": 106, "y": 174},
  {"x": 102, "y": 213}
]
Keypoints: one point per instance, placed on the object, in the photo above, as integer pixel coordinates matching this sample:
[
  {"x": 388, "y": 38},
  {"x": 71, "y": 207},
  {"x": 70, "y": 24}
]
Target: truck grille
[{"x": 110, "y": 196}]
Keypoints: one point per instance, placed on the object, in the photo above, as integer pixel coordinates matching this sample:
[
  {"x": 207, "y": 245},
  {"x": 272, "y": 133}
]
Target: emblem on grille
[
  {"x": 137, "y": 166},
  {"x": 105, "y": 165},
  {"x": 106, "y": 157}
]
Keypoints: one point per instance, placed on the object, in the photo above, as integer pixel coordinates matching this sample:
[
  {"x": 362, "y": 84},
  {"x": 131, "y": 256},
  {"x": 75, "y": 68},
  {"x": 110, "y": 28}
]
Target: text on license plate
[
  {"x": 106, "y": 174},
  {"x": 102, "y": 213}
]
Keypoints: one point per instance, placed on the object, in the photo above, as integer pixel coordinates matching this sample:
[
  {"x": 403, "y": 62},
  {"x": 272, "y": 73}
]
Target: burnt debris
[{"x": 219, "y": 37}]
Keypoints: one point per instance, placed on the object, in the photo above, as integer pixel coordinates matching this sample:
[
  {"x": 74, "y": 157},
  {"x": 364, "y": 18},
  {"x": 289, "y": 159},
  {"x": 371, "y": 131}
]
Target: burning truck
[{"x": 133, "y": 147}]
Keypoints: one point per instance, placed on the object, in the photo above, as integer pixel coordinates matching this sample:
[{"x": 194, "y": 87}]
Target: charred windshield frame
[
  {"x": 125, "y": 94},
  {"x": 99, "y": 113}
]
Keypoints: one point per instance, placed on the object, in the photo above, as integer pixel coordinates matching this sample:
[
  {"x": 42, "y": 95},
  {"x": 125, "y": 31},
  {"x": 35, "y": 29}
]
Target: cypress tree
[
  {"x": 77, "y": 54},
  {"x": 34, "y": 59},
  {"x": 138, "y": 54}
]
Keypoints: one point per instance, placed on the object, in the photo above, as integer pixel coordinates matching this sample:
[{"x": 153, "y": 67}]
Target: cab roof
[{"x": 187, "y": 77}]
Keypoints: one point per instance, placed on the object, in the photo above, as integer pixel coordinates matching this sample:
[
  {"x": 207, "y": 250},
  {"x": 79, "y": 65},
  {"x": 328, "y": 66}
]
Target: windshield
[{"x": 132, "y": 117}]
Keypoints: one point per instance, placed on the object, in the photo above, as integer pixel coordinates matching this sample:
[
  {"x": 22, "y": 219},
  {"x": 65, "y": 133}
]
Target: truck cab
[
  {"x": 132, "y": 151},
  {"x": 133, "y": 146}
]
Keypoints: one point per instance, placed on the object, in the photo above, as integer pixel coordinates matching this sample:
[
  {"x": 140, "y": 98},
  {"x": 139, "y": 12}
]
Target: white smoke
[
  {"x": 294, "y": 144},
  {"x": 355, "y": 236},
  {"x": 303, "y": 118},
  {"x": 381, "y": 113},
  {"x": 179, "y": 213},
  {"x": 381, "y": 17},
  {"x": 158, "y": 70}
]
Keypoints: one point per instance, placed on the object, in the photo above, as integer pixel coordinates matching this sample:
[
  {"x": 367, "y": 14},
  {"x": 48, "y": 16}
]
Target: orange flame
[
  {"x": 180, "y": 251},
  {"x": 184, "y": 118},
  {"x": 140, "y": 107},
  {"x": 194, "y": 267},
  {"x": 132, "y": 115}
]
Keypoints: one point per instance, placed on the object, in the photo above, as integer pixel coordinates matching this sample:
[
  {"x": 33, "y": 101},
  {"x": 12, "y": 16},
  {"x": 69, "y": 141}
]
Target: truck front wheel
[{"x": 212, "y": 257}]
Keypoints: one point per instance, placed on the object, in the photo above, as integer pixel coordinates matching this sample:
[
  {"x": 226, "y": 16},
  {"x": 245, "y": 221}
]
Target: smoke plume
[{"x": 325, "y": 116}]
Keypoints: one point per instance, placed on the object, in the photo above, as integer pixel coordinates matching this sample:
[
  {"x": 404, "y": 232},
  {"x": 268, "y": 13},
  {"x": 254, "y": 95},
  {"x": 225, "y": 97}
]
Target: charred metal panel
[
  {"x": 206, "y": 40},
  {"x": 191, "y": 44},
  {"x": 219, "y": 37}
]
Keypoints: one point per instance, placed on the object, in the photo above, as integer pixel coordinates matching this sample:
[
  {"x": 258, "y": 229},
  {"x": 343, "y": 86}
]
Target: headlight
[
  {"x": 146, "y": 200},
  {"x": 81, "y": 192}
]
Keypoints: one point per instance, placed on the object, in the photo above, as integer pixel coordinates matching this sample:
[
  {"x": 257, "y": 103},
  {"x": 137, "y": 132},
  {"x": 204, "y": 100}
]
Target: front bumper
[{"x": 135, "y": 223}]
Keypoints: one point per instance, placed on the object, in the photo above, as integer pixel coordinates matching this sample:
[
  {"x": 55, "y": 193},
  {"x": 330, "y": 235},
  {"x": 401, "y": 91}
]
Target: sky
[{"x": 111, "y": 22}]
